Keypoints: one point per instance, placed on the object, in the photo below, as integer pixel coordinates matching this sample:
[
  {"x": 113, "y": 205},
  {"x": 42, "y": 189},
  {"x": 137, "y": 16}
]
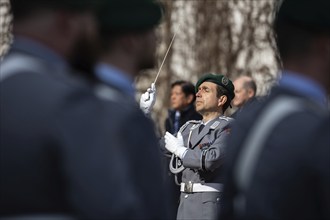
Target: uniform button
[
  {"x": 218, "y": 199},
  {"x": 186, "y": 196}
]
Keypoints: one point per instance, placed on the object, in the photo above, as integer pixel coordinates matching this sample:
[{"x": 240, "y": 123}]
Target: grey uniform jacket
[
  {"x": 206, "y": 150},
  {"x": 203, "y": 164}
]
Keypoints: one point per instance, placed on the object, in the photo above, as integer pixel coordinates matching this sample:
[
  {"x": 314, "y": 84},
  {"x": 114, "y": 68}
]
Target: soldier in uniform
[
  {"x": 198, "y": 149},
  {"x": 128, "y": 45},
  {"x": 277, "y": 166},
  {"x": 64, "y": 151}
]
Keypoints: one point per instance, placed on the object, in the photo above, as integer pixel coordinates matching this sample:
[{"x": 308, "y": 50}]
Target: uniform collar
[
  {"x": 304, "y": 86},
  {"x": 114, "y": 77},
  {"x": 37, "y": 49}
]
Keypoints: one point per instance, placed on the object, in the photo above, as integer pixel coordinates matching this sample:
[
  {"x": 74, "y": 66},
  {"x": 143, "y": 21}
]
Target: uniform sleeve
[{"x": 210, "y": 157}]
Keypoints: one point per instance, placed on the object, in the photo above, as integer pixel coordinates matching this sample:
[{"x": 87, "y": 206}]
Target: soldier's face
[
  {"x": 206, "y": 98},
  {"x": 84, "y": 51},
  {"x": 179, "y": 100},
  {"x": 242, "y": 95},
  {"x": 147, "y": 50}
]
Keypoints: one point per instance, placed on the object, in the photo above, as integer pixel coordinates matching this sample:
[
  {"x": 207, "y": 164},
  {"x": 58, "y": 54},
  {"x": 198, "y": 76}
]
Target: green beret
[
  {"x": 307, "y": 13},
  {"x": 220, "y": 80},
  {"x": 120, "y": 15}
]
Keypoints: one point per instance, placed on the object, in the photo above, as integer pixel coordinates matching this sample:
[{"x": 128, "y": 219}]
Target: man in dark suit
[
  {"x": 277, "y": 166},
  {"x": 182, "y": 101},
  {"x": 65, "y": 152}
]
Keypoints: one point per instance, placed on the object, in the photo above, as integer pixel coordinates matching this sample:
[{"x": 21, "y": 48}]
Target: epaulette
[
  {"x": 226, "y": 118},
  {"x": 217, "y": 123},
  {"x": 194, "y": 121},
  {"x": 189, "y": 122}
]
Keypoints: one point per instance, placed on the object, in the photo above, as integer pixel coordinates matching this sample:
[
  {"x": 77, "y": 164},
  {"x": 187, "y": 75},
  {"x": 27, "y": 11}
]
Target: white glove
[
  {"x": 148, "y": 99},
  {"x": 175, "y": 144}
]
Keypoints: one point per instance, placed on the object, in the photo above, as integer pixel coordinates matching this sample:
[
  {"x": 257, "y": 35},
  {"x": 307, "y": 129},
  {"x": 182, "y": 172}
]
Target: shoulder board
[
  {"x": 218, "y": 122},
  {"x": 215, "y": 124},
  {"x": 194, "y": 122},
  {"x": 226, "y": 118}
]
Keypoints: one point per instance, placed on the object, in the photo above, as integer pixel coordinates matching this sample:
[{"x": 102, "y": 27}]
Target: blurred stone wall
[{"x": 5, "y": 27}]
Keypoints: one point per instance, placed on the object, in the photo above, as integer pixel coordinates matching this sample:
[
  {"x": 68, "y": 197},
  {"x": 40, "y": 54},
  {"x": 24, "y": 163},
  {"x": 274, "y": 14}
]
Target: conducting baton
[{"x": 168, "y": 49}]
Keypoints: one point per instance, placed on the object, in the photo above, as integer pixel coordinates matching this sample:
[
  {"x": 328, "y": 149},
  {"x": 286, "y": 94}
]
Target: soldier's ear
[
  {"x": 222, "y": 100},
  {"x": 251, "y": 93}
]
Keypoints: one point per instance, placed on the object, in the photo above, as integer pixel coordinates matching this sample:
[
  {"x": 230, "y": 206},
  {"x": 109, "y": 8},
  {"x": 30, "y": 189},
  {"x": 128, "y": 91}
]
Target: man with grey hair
[{"x": 245, "y": 91}]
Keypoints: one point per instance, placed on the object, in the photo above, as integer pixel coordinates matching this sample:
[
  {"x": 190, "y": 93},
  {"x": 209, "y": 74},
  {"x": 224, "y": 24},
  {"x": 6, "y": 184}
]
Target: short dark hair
[
  {"x": 222, "y": 91},
  {"x": 297, "y": 23},
  {"x": 187, "y": 88},
  {"x": 23, "y": 8},
  {"x": 292, "y": 40}
]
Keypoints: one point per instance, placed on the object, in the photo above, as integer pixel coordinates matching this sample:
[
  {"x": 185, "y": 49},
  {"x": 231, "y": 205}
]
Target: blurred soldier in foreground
[
  {"x": 245, "y": 91},
  {"x": 279, "y": 155},
  {"x": 128, "y": 46},
  {"x": 64, "y": 152},
  {"x": 198, "y": 149}
]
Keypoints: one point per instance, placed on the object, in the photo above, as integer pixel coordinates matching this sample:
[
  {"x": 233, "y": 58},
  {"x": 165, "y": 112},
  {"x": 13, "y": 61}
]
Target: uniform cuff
[{"x": 181, "y": 152}]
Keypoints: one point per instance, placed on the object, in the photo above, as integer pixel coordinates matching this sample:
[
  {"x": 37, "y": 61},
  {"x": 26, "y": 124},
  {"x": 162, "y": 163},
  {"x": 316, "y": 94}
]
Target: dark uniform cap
[
  {"x": 22, "y": 8},
  {"x": 309, "y": 13},
  {"x": 219, "y": 79},
  {"x": 130, "y": 15},
  {"x": 66, "y": 4}
]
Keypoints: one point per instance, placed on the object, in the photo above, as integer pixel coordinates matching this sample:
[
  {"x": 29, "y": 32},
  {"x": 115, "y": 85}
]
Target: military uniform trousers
[{"x": 199, "y": 205}]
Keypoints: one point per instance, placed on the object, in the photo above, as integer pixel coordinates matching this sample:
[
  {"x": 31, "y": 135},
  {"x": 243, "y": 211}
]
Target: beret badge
[{"x": 224, "y": 81}]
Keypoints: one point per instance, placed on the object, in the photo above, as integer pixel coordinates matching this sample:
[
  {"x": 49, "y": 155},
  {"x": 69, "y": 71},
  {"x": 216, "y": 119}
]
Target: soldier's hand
[
  {"x": 148, "y": 99},
  {"x": 174, "y": 144}
]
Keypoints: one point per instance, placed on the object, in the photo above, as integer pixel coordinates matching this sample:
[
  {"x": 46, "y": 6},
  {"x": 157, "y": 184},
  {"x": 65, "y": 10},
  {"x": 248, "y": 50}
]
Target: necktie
[
  {"x": 176, "y": 121},
  {"x": 200, "y": 128}
]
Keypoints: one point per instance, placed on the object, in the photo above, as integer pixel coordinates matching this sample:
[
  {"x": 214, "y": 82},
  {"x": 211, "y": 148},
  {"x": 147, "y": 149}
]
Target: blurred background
[{"x": 231, "y": 37}]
